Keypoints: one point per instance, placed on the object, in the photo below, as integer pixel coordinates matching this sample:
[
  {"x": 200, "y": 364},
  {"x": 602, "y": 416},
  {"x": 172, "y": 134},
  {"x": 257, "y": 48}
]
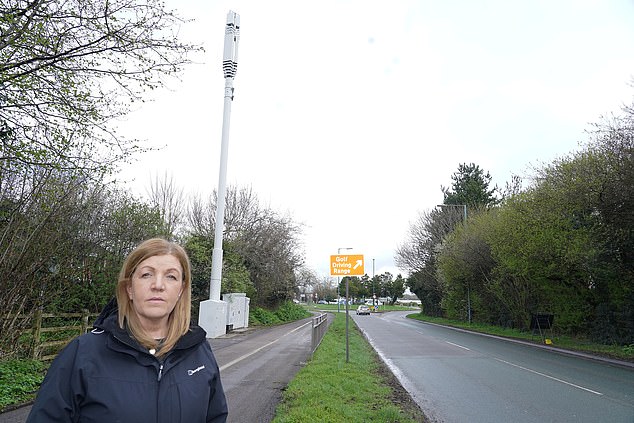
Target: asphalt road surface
[
  {"x": 457, "y": 376},
  {"x": 255, "y": 365}
]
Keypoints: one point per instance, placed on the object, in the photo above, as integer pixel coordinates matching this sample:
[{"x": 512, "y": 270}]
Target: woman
[{"x": 143, "y": 362}]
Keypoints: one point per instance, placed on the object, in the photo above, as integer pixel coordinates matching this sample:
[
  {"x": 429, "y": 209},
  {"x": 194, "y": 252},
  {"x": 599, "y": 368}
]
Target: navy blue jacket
[{"x": 106, "y": 376}]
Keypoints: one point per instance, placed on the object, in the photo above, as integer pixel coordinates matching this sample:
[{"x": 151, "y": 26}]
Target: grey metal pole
[
  {"x": 347, "y": 339},
  {"x": 468, "y": 283},
  {"x": 347, "y": 322},
  {"x": 339, "y": 278},
  {"x": 229, "y": 66},
  {"x": 373, "y": 293}
]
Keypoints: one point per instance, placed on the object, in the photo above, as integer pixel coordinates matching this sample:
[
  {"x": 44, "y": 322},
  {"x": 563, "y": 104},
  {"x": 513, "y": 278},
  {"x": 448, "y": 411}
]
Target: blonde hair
[{"x": 179, "y": 319}]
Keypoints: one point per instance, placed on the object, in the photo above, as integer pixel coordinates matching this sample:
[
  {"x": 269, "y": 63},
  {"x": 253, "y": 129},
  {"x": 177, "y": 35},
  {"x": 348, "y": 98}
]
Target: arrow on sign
[{"x": 359, "y": 263}]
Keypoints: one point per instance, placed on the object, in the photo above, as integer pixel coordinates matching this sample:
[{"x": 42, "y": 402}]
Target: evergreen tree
[{"x": 471, "y": 186}]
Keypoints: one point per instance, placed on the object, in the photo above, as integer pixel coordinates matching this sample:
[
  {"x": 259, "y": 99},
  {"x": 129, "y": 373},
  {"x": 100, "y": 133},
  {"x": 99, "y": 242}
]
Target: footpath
[{"x": 255, "y": 366}]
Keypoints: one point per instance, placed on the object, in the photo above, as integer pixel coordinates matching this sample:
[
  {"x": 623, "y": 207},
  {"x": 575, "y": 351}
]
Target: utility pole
[
  {"x": 213, "y": 312},
  {"x": 373, "y": 293}
]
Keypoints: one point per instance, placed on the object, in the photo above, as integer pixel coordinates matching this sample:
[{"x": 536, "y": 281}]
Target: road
[
  {"x": 255, "y": 365},
  {"x": 457, "y": 376}
]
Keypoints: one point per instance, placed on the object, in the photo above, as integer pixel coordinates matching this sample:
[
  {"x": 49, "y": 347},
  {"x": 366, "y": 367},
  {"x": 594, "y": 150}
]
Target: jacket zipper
[{"x": 160, "y": 373}]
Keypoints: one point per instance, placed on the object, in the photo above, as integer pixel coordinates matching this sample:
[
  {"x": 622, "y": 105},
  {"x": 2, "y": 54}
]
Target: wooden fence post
[
  {"x": 84, "y": 321},
  {"x": 37, "y": 329}
]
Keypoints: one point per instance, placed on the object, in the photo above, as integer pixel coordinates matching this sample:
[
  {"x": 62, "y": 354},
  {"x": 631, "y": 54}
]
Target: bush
[
  {"x": 290, "y": 311},
  {"x": 287, "y": 312},
  {"x": 19, "y": 381},
  {"x": 261, "y": 317}
]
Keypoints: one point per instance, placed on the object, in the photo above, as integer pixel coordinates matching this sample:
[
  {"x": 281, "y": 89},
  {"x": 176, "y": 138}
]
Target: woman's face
[{"x": 154, "y": 289}]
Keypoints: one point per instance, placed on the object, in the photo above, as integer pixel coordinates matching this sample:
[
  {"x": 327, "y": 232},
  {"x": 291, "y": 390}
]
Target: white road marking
[
  {"x": 550, "y": 377},
  {"x": 459, "y": 346},
  {"x": 231, "y": 363}
]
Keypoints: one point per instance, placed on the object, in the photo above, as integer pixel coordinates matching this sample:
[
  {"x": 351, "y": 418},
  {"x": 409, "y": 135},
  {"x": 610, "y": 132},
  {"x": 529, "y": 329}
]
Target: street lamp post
[
  {"x": 373, "y": 293},
  {"x": 464, "y": 222}
]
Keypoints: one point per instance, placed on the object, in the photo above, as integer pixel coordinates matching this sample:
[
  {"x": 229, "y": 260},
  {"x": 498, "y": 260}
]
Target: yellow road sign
[{"x": 347, "y": 265}]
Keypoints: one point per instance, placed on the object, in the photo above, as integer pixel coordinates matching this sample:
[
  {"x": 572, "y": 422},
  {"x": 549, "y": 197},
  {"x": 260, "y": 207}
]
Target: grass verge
[
  {"x": 619, "y": 352},
  {"x": 329, "y": 389}
]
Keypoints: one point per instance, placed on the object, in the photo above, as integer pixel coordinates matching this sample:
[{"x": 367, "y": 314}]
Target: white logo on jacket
[{"x": 191, "y": 372}]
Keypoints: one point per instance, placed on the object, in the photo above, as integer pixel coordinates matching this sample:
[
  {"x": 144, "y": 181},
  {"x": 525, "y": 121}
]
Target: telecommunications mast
[{"x": 213, "y": 312}]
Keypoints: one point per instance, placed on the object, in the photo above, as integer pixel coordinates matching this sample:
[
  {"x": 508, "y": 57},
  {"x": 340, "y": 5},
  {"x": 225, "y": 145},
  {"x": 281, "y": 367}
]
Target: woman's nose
[{"x": 159, "y": 283}]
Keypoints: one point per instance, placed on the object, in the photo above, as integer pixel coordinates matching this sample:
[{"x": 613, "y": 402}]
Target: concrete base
[{"x": 212, "y": 317}]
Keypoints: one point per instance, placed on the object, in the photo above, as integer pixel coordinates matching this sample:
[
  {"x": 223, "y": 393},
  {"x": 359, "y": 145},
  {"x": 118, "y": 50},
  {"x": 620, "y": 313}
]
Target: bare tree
[
  {"x": 68, "y": 68},
  {"x": 169, "y": 200},
  {"x": 418, "y": 255},
  {"x": 62, "y": 240},
  {"x": 242, "y": 213},
  {"x": 307, "y": 281},
  {"x": 267, "y": 242},
  {"x": 425, "y": 236},
  {"x": 272, "y": 254},
  {"x": 200, "y": 216},
  {"x": 32, "y": 239}
]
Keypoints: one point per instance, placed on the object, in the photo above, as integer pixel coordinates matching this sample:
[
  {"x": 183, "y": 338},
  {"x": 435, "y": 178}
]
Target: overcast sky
[{"x": 350, "y": 115}]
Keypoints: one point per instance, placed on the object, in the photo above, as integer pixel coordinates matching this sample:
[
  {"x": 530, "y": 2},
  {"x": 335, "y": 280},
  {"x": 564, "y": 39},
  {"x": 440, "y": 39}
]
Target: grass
[
  {"x": 328, "y": 389},
  {"x": 560, "y": 341}
]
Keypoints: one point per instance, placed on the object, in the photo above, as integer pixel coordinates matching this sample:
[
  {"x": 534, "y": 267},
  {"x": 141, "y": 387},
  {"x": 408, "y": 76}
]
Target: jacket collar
[{"x": 108, "y": 322}]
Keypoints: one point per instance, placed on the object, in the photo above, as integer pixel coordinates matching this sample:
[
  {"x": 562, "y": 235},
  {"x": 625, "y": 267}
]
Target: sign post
[{"x": 347, "y": 265}]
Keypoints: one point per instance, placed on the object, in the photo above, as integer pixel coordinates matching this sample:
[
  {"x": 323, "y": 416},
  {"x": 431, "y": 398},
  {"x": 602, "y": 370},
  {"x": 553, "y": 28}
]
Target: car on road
[{"x": 363, "y": 309}]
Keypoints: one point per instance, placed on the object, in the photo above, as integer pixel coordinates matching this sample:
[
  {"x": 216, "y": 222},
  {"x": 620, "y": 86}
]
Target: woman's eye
[
  {"x": 146, "y": 275},
  {"x": 173, "y": 277}
]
